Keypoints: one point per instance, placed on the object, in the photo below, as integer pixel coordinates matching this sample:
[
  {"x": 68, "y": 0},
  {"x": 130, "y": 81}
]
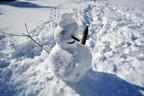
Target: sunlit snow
[{"x": 110, "y": 64}]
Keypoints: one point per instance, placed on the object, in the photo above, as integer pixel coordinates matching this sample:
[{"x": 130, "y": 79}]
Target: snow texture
[{"x": 111, "y": 63}]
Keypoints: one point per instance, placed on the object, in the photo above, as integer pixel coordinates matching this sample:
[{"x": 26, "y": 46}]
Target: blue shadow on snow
[
  {"x": 24, "y": 4},
  {"x": 27, "y": 50},
  {"x": 6, "y": 88},
  {"x": 105, "y": 84}
]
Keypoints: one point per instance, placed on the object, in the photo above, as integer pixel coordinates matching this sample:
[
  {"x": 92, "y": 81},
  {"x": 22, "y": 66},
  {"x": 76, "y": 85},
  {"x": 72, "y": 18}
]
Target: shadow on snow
[
  {"x": 105, "y": 84},
  {"x": 24, "y": 4},
  {"x": 1, "y": 12},
  {"x": 6, "y": 88}
]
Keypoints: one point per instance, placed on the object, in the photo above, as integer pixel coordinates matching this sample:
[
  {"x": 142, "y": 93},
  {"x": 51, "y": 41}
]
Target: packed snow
[
  {"x": 110, "y": 64},
  {"x": 68, "y": 59}
]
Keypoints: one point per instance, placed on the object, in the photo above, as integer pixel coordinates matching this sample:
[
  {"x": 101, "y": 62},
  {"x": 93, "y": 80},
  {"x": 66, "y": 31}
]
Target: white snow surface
[{"x": 116, "y": 43}]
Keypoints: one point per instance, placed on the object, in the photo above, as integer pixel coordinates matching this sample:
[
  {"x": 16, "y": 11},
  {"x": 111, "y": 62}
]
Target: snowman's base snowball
[{"x": 70, "y": 66}]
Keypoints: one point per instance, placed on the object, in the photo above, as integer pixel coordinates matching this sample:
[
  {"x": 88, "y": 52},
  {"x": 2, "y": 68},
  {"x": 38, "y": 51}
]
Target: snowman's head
[{"x": 65, "y": 33}]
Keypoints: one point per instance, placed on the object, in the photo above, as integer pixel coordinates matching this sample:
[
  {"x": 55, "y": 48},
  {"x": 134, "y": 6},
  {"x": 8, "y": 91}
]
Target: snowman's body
[{"x": 69, "y": 61}]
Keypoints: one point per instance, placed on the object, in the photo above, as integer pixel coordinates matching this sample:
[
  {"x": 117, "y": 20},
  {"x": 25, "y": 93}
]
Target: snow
[
  {"x": 68, "y": 59},
  {"x": 116, "y": 43}
]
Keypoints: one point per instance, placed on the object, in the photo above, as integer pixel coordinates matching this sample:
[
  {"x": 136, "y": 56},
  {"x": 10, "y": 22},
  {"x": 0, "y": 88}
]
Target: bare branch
[
  {"x": 5, "y": 33},
  {"x": 30, "y": 37},
  {"x": 37, "y": 43},
  {"x": 26, "y": 35},
  {"x": 26, "y": 29}
]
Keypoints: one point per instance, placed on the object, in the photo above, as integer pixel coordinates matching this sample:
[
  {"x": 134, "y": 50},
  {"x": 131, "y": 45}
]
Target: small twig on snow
[
  {"x": 30, "y": 37},
  {"x": 5, "y": 33},
  {"x": 26, "y": 35}
]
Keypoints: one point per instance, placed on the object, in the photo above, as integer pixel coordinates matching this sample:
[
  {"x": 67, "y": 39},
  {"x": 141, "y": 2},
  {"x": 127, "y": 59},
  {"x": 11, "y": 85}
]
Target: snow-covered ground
[{"x": 116, "y": 42}]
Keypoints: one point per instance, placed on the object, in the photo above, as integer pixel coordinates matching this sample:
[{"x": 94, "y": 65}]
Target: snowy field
[{"x": 115, "y": 40}]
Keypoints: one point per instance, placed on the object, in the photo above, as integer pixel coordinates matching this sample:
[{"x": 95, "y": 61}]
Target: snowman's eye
[{"x": 62, "y": 32}]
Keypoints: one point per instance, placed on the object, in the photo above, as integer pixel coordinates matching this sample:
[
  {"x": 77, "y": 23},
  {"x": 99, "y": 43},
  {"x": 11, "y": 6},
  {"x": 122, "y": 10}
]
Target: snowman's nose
[{"x": 75, "y": 38}]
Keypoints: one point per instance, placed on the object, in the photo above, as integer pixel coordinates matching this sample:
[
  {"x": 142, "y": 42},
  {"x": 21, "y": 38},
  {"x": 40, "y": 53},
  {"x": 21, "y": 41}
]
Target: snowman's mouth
[
  {"x": 71, "y": 42},
  {"x": 74, "y": 39}
]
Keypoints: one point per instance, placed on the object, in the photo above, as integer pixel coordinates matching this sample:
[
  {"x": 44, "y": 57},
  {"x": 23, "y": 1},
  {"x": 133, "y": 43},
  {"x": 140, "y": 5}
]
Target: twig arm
[
  {"x": 30, "y": 37},
  {"x": 5, "y": 33}
]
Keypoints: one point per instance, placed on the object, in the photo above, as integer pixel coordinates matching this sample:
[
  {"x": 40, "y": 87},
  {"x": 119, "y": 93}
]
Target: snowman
[{"x": 68, "y": 59}]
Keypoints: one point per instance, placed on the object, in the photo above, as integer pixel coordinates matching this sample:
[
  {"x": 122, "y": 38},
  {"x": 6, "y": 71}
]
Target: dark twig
[
  {"x": 5, "y": 33},
  {"x": 26, "y": 35},
  {"x": 30, "y": 37},
  {"x": 26, "y": 28}
]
